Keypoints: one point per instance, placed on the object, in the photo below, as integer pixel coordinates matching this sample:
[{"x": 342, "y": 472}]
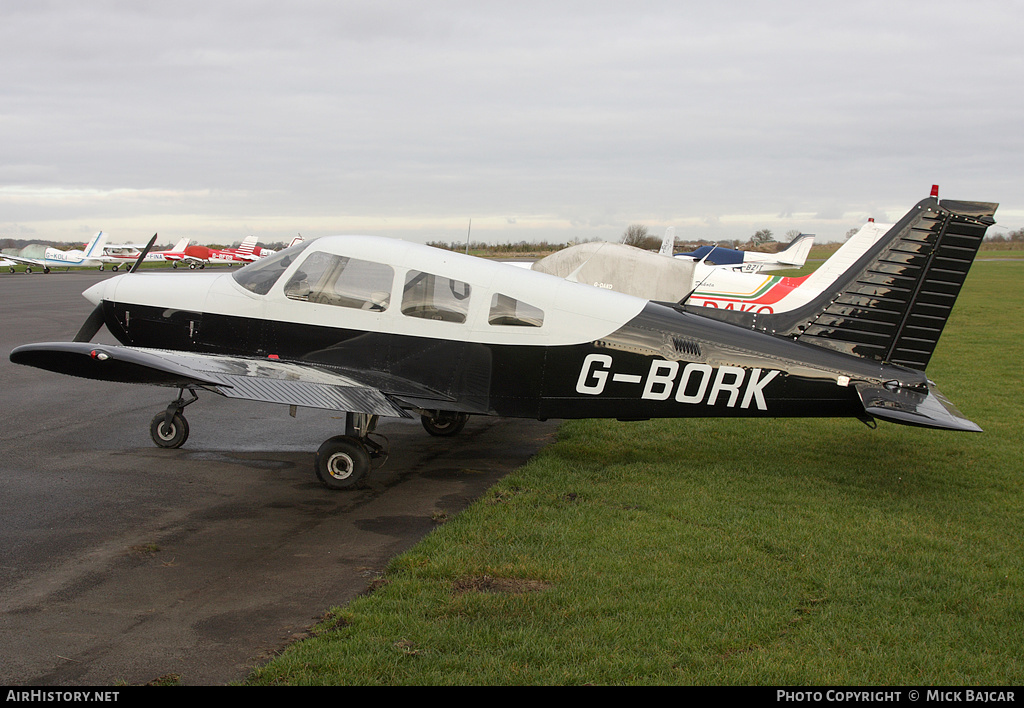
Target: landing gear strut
[
  {"x": 170, "y": 429},
  {"x": 344, "y": 461}
]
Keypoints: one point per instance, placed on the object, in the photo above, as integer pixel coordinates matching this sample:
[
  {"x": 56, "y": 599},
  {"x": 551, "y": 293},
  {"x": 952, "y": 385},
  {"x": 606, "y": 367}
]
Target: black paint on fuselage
[{"x": 632, "y": 377}]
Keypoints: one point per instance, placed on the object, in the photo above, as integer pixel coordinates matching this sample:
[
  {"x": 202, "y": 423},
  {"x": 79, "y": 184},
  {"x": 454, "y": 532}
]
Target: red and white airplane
[
  {"x": 127, "y": 253},
  {"x": 198, "y": 256}
]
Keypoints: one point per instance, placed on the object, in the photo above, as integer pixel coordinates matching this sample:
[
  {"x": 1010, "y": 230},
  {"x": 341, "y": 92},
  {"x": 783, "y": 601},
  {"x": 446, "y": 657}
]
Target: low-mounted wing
[
  {"x": 21, "y": 260},
  {"x": 266, "y": 380}
]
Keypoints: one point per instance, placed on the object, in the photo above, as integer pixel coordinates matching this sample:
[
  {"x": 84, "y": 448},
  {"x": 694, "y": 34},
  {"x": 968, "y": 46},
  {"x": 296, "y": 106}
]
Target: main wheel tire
[
  {"x": 445, "y": 423},
  {"x": 342, "y": 463},
  {"x": 169, "y": 435}
]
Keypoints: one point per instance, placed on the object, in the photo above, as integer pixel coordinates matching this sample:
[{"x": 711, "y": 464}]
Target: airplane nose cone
[{"x": 98, "y": 292}]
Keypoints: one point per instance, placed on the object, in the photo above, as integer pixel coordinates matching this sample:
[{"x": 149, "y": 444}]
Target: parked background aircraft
[
  {"x": 381, "y": 327},
  {"x": 634, "y": 271},
  {"x": 793, "y": 256},
  {"x": 126, "y": 255},
  {"x": 45, "y": 258},
  {"x": 199, "y": 256},
  {"x": 729, "y": 289}
]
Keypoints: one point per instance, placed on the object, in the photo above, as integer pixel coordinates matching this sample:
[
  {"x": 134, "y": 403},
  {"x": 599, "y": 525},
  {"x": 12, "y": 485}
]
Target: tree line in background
[
  {"x": 1005, "y": 242},
  {"x": 636, "y": 235}
]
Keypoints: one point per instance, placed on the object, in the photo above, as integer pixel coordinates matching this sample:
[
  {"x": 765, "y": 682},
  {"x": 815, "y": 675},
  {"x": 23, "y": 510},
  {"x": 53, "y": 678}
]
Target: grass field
[{"x": 717, "y": 552}]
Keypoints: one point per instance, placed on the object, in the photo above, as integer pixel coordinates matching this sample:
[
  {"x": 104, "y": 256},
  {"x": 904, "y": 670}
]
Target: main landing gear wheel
[
  {"x": 342, "y": 462},
  {"x": 445, "y": 423},
  {"x": 169, "y": 428},
  {"x": 169, "y": 434}
]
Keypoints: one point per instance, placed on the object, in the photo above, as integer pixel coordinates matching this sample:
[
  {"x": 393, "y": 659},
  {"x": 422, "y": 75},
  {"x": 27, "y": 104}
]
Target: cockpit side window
[
  {"x": 259, "y": 277},
  {"x": 507, "y": 311},
  {"x": 434, "y": 297},
  {"x": 329, "y": 279}
]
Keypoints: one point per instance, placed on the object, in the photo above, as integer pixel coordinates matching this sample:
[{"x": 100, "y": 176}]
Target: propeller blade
[
  {"x": 91, "y": 325},
  {"x": 142, "y": 256}
]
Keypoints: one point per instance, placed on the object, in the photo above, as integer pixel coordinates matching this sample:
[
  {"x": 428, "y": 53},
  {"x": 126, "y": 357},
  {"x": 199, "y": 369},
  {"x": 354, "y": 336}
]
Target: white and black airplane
[{"x": 380, "y": 327}]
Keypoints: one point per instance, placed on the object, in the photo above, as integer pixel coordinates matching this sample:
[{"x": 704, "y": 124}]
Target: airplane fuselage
[{"x": 659, "y": 361}]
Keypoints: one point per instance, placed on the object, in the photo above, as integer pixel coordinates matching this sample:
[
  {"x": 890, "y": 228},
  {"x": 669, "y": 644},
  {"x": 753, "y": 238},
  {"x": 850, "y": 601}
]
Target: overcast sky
[{"x": 548, "y": 120}]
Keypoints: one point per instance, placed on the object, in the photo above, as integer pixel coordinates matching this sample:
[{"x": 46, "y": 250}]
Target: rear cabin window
[
  {"x": 508, "y": 312},
  {"x": 328, "y": 279},
  {"x": 434, "y": 297}
]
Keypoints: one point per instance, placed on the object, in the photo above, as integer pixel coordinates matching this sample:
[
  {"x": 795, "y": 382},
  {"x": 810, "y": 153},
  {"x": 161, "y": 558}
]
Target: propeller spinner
[{"x": 94, "y": 321}]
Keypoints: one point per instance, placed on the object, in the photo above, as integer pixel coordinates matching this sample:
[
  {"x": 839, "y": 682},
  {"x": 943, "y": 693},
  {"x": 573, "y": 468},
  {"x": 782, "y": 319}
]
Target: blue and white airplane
[
  {"x": 794, "y": 256},
  {"x": 90, "y": 257}
]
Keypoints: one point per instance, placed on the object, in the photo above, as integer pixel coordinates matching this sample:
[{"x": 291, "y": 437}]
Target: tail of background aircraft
[
  {"x": 180, "y": 246},
  {"x": 796, "y": 253},
  {"x": 248, "y": 245},
  {"x": 96, "y": 245},
  {"x": 892, "y": 304},
  {"x": 668, "y": 242}
]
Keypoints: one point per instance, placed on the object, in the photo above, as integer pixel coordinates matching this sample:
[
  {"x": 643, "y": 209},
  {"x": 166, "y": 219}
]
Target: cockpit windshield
[{"x": 259, "y": 277}]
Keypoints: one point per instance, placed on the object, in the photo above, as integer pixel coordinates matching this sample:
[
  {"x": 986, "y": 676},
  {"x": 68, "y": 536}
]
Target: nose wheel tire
[
  {"x": 342, "y": 463},
  {"x": 169, "y": 434}
]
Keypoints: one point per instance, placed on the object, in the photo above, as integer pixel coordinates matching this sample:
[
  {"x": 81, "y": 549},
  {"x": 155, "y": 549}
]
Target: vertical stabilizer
[
  {"x": 892, "y": 304},
  {"x": 668, "y": 242},
  {"x": 96, "y": 245},
  {"x": 796, "y": 253}
]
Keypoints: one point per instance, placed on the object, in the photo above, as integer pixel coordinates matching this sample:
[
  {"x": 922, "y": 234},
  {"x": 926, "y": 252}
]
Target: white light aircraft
[
  {"x": 626, "y": 269},
  {"x": 90, "y": 257},
  {"x": 793, "y": 256}
]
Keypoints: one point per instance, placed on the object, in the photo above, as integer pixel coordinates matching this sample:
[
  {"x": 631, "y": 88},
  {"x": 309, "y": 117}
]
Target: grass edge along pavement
[{"x": 726, "y": 552}]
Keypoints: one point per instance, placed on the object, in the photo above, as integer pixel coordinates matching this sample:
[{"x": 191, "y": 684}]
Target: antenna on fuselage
[{"x": 697, "y": 286}]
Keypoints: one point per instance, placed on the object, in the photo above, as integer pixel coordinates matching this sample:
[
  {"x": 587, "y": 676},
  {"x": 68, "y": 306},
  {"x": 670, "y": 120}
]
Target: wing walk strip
[
  {"x": 307, "y": 394},
  {"x": 287, "y": 383}
]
